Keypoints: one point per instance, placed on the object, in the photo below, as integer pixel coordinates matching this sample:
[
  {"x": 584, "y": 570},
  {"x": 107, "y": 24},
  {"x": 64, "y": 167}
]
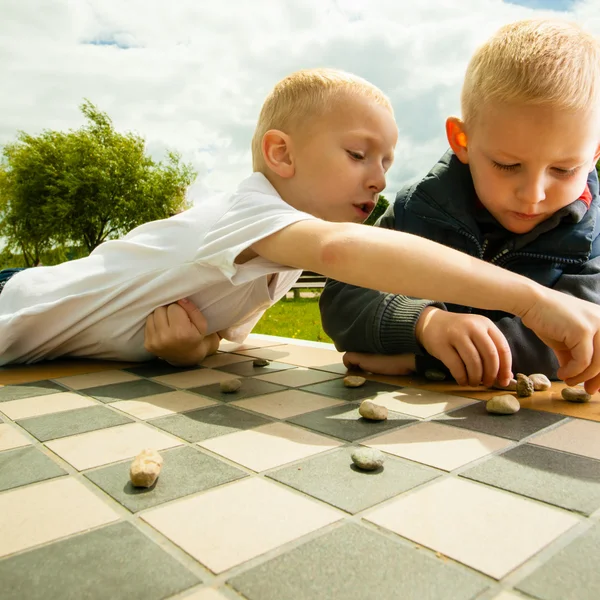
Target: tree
[
  {"x": 380, "y": 208},
  {"x": 83, "y": 187}
]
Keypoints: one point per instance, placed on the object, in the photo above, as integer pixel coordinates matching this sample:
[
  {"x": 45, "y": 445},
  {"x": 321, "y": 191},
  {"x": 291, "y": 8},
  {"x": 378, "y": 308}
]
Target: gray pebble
[
  {"x": 511, "y": 387},
  {"x": 540, "y": 382},
  {"x": 575, "y": 394},
  {"x": 503, "y": 405},
  {"x": 373, "y": 412},
  {"x": 524, "y": 386},
  {"x": 260, "y": 362},
  {"x": 230, "y": 386},
  {"x": 435, "y": 375},
  {"x": 353, "y": 381},
  {"x": 368, "y": 459}
]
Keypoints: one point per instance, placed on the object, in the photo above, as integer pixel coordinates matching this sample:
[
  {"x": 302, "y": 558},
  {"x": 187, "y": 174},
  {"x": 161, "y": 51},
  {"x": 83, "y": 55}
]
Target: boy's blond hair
[
  {"x": 537, "y": 62},
  {"x": 304, "y": 95}
]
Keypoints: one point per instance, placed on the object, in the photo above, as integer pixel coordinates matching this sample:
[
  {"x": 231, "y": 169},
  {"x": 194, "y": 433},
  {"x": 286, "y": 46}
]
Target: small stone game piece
[
  {"x": 435, "y": 375},
  {"x": 511, "y": 387},
  {"x": 575, "y": 394},
  {"x": 373, "y": 412},
  {"x": 367, "y": 459},
  {"x": 524, "y": 386},
  {"x": 353, "y": 381},
  {"x": 540, "y": 382},
  {"x": 261, "y": 362},
  {"x": 230, "y": 386},
  {"x": 503, "y": 405},
  {"x": 145, "y": 468}
]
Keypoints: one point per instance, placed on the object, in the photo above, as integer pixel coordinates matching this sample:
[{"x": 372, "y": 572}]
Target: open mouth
[{"x": 365, "y": 209}]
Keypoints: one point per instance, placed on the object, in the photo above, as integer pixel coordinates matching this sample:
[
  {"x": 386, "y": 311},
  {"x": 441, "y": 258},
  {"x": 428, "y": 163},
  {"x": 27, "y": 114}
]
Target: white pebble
[
  {"x": 353, "y": 381},
  {"x": 540, "y": 382},
  {"x": 575, "y": 394},
  {"x": 230, "y": 386},
  {"x": 373, "y": 412},
  {"x": 368, "y": 459},
  {"x": 503, "y": 405}
]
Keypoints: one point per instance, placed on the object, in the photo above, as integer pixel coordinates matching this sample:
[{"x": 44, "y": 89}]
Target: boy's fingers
[
  {"x": 488, "y": 354},
  {"x": 469, "y": 354},
  {"x": 350, "y": 360},
  {"x": 504, "y": 366},
  {"x": 159, "y": 318},
  {"x": 195, "y": 315},
  {"x": 581, "y": 366},
  {"x": 455, "y": 365},
  {"x": 593, "y": 385}
]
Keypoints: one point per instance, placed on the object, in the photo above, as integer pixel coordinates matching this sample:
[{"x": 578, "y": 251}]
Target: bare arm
[{"x": 397, "y": 263}]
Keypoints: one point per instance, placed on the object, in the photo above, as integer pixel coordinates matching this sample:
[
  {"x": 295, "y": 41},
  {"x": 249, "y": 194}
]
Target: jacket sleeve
[
  {"x": 362, "y": 320},
  {"x": 530, "y": 354}
]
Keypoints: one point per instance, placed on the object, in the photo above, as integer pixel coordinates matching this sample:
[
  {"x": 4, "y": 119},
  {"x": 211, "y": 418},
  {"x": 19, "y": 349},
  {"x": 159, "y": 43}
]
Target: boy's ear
[
  {"x": 597, "y": 155},
  {"x": 457, "y": 138},
  {"x": 277, "y": 153}
]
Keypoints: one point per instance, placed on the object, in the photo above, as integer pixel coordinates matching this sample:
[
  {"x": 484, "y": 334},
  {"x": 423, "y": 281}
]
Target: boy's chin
[{"x": 519, "y": 227}]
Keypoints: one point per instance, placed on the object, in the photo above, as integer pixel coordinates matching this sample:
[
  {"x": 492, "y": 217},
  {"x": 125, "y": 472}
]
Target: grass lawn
[{"x": 298, "y": 319}]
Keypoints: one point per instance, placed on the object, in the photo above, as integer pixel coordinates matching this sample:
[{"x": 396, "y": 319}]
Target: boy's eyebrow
[{"x": 513, "y": 158}]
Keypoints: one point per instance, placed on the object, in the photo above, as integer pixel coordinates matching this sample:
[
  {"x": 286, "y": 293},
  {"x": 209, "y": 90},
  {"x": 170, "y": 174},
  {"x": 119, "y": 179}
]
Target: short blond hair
[
  {"x": 546, "y": 62},
  {"x": 304, "y": 95}
]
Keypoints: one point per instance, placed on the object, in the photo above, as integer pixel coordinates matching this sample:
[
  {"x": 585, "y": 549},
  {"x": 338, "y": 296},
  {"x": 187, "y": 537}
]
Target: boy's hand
[
  {"x": 385, "y": 364},
  {"x": 177, "y": 333},
  {"x": 571, "y": 327},
  {"x": 471, "y": 346}
]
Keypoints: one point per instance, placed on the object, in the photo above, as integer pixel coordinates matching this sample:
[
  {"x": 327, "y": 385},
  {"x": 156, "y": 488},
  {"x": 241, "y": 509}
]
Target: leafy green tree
[
  {"x": 83, "y": 187},
  {"x": 382, "y": 205}
]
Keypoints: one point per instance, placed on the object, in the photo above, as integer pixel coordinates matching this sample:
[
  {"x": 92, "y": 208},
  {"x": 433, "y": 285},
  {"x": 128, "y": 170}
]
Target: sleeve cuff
[{"x": 397, "y": 323}]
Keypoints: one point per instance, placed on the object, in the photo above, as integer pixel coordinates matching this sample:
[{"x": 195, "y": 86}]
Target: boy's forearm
[{"x": 399, "y": 263}]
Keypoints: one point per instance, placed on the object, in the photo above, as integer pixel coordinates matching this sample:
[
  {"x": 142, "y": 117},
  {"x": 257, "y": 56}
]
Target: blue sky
[
  {"x": 191, "y": 75},
  {"x": 557, "y": 5}
]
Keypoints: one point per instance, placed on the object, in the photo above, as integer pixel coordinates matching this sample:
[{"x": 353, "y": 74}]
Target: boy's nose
[
  {"x": 377, "y": 181},
  {"x": 532, "y": 191}
]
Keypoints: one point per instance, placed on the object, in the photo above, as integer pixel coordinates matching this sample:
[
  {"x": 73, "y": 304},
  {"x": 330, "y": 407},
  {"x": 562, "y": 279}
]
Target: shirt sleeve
[{"x": 252, "y": 217}]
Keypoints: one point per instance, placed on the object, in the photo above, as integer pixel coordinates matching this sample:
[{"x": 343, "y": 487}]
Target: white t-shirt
[{"x": 97, "y": 306}]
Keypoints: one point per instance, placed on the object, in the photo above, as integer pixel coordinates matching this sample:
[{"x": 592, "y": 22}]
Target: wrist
[
  {"x": 423, "y": 321},
  {"x": 524, "y": 294}
]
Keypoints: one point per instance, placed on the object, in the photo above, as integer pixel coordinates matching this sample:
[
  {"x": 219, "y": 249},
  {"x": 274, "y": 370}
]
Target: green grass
[{"x": 298, "y": 319}]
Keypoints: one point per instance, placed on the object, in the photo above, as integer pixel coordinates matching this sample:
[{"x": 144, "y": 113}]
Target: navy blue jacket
[{"x": 563, "y": 253}]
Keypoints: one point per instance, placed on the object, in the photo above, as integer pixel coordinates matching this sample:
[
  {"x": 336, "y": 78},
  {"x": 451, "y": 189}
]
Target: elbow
[{"x": 336, "y": 250}]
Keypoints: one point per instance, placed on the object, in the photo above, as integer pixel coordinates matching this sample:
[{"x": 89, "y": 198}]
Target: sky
[{"x": 191, "y": 75}]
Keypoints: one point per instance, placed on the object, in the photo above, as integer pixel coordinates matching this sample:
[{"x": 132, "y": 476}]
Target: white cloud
[{"x": 191, "y": 75}]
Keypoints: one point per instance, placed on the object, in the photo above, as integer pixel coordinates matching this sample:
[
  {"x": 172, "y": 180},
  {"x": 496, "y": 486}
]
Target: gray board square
[
  {"x": 571, "y": 574},
  {"x": 335, "y": 388},
  {"x": 344, "y": 422},
  {"x": 23, "y": 466},
  {"x": 199, "y": 425},
  {"x": 72, "y": 422},
  {"x": 116, "y": 561},
  {"x": 333, "y": 478},
  {"x": 354, "y": 563},
  {"x": 514, "y": 427},
  {"x": 130, "y": 390},
  {"x": 185, "y": 471},
  {"x": 565, "y": 480}
]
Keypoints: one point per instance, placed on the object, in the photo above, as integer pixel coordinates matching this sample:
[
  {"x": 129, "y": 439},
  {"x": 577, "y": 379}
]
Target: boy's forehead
[
  {"x": 361, "y": 117},
  {"x": 527, "y": 130}
]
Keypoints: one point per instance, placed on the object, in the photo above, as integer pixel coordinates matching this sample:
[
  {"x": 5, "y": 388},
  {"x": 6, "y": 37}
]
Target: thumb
[{"x": 193, "y": 312}]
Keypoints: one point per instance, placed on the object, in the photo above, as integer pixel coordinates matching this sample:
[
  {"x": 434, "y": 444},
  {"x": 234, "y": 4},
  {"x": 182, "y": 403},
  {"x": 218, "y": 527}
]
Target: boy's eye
[
  {"x": 356, "y": 155},
  {"x": 502, "y": 167},
  {"x": 566, "y": 172}
]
